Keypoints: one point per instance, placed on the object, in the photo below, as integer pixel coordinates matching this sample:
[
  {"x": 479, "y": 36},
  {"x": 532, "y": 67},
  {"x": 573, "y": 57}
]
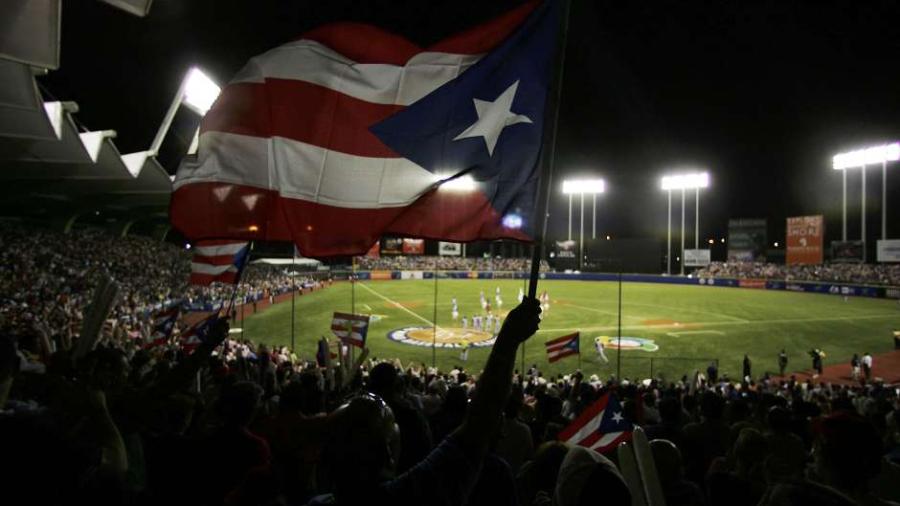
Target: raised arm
[{"x": 483, "y": 417}]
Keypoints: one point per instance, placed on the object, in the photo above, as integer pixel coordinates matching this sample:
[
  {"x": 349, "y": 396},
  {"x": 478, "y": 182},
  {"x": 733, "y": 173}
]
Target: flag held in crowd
[
  {"x": 198, "y": 333},
  {"x": 600, "y": 427},
  {"x": 163, "y": 324},
  {"x": 220, "y": 261},
  {"x": 351, "y": 328},
  {"x": 562, "y": 347},
  {"x": 440, "y": 142}
]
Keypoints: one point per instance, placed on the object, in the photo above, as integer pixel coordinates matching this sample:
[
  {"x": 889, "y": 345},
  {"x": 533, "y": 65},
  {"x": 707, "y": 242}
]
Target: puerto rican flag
[
  {"x": 562, "y": 347},
  {"x": 163, "y": 324},
  {"x": 350, "y": 133},
  {"x": 198, "y": 333},
  {"x": 351, "y": 328},
  {"x": 600, "y": 427},
  {"x": 220, "y": 261}
]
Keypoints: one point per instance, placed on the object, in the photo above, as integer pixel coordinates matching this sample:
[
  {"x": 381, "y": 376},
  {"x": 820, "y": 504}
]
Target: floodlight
[
  {"x": 583, "y": 186},
  {"x": 512, "y": 220},
  {"x": 686, "y": 181},
  {"x": 868, "y": 156},
  {"x": 463, "y": 183},
  {"x": 199, "y": 91}
]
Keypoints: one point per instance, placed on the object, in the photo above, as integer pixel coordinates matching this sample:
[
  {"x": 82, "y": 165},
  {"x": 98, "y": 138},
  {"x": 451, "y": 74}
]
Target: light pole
[
  {"x": 683, "y": 182},
  {"x": 196, "y": 91},
  {"x": 583, "y": 187},
  {"x": 861, "y": 158}
]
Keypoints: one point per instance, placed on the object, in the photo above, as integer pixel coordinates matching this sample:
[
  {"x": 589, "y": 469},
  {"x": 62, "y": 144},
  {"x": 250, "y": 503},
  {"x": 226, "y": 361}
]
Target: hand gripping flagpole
[{"x": 548, "y": 152}]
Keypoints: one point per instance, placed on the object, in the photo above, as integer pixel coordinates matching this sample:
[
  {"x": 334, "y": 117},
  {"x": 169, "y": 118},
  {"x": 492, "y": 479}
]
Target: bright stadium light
[
  {"x": 859, "y": 158},
  {"x": 196, "y": 91},
  {"x": 583, "y": 187},
  {"x": 684, "y": 181},
  {"x": 512, "y": 220},
  {"x": 200, "y": 91}
]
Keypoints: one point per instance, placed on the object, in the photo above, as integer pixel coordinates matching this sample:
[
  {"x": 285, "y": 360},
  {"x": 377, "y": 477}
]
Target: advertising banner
[
  {"x": 696, "y": 257},
  {"x": 392, "y": 246},
  {"x": 413, "y": 246},
  {"x": 889, "y": 250},
  {"x": 565, "y": 249},
  {"x": 453, "y": 249},
  {"x": 804, "y": 240},
  {"x": 747, "y": 240},
  {"x": 374, "y": 251},
  {"x": 847, "y": 252}
]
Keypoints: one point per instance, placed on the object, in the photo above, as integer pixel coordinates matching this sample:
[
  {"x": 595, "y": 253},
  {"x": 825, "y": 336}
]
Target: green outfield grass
[{"x": 689, "y": 324}]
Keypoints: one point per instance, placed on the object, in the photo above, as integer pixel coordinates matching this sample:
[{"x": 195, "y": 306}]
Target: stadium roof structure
[{"x": 49, "y": 166}]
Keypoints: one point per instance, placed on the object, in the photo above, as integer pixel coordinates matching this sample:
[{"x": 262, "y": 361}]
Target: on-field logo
[
  {"x": 445, "y": 337},
  {"x": 629, "y": 343}
]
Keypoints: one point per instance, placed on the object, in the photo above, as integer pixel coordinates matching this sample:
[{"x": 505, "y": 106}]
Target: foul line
[
  {"x": 611, "y": 313},
  {"x": 720, "y": 323},
  {"x": 397, "y": 304}
]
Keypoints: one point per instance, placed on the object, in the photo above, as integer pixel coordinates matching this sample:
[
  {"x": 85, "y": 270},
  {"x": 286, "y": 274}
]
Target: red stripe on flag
[
  {"x": 369, "y": 44},
  {"x": 561, "y": 355},
  {"x": 197, "y": 212},
  {"x": 586, "y": 416},
  {"x": 216, "y": 260},
  {"x": 306, "y": 112},
  {"x": 560, "y": 340},
  {"x": 205, "y": 279}
]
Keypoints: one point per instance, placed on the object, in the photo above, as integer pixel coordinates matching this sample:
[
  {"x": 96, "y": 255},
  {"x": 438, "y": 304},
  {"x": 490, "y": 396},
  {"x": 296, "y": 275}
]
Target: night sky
[{"x": 761, "y": 94}]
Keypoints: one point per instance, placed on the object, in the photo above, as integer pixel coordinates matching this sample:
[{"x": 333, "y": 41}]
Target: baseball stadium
[{"x": 449, "y": 252}]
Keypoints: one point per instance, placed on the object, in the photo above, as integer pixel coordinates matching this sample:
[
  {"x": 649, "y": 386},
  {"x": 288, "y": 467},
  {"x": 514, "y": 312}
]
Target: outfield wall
[{"x": 891, "y": 292}]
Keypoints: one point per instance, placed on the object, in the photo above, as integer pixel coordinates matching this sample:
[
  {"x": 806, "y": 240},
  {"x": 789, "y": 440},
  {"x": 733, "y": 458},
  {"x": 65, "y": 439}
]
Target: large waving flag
[
  {"x": 198, "y": 333},
  {"x": 601, "y": 427},
  {"x": 351, "y": 132},
  {"x": 220, "y": 261}
]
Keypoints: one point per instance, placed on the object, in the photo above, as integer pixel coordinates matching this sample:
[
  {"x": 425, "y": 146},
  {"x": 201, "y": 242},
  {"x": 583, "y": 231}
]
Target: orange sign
[{"x": 805, "y": 235}]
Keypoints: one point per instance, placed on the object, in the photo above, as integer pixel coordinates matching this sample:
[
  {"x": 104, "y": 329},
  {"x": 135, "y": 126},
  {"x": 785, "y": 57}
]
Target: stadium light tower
[
  {"x": 197, "y": 92},
  {"x": 859, "y": 159},
  {"x": 690, "y": 181},
  {"x": 583, "y": 187}
]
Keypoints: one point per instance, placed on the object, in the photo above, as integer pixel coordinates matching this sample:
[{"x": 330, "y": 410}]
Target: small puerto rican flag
[
  {"x": 601, "y": 427},
  {"x": 562, "y": 347},
  {"x": 351, "y": 328},
  {"x": 163, "y": 324},
  {"x": 220, "y": 261},
  {"x": 198, "y": 333}
]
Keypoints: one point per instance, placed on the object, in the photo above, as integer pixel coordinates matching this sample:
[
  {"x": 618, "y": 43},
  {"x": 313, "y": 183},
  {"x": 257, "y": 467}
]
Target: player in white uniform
[
  {"x": 521, "y": 294},
  {"x": 465, "y": 322},
  {"x": 545, "y": 301},
  {"x": 455, "y": 310},
  {"x": 476, "y": 322},
  {"x": 483, "y": 300},
  {"x": 498, "y": 298},
  {"x": 601, "y": 353}
]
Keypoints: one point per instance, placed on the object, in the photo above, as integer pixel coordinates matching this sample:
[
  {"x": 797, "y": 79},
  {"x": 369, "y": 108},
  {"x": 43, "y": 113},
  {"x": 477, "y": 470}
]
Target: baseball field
[{"x": 667, "y": 330}]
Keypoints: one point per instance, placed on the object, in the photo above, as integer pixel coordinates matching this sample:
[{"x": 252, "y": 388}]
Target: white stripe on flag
[
  {"x": 210, "y": 269},
  {"x": 307, "y": 172},
  {"x": 605, "y": 440},
  {"x": 218, "y": 250},
  {"x": 310, "y": 61},
  {"x": 588, "y": 429}
]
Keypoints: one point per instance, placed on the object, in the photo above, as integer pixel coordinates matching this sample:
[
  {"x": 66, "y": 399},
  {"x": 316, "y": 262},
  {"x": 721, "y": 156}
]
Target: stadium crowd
[
  {"x": 447, "y": 263},
  {"x": 869, "y": 274},
  {"x": 47, "y": 278},
  {"x": 106, "y": 421}
]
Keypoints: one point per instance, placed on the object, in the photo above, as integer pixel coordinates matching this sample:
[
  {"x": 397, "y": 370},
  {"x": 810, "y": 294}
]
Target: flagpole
[
  {"x": 548, "y": 151},
  {"x": 352, "y": 297},
  {"x": 434, "y": 321},
  {"x": 619, "y": 332},
  {"x": 579, "y": 351},
  {"x": 293, "y": 296}
]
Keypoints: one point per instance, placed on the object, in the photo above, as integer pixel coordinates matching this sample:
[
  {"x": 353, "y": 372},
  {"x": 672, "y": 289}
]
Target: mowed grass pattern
[{"x": 690, "y": 324}]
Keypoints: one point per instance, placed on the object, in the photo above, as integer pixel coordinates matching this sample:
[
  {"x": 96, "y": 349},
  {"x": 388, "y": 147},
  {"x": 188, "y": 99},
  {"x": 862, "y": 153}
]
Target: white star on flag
[
  {"x": 617, "y": 417},
  {"x": 493, "y": 117}
]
